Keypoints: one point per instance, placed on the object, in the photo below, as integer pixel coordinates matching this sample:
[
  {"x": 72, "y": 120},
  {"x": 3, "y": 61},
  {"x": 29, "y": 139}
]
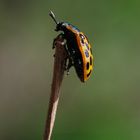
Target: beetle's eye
[{"x": 64, "y": 24}]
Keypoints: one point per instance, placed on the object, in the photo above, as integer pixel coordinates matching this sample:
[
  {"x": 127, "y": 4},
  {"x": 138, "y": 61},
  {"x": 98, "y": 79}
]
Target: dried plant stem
[{"x": 58, "y": 73}]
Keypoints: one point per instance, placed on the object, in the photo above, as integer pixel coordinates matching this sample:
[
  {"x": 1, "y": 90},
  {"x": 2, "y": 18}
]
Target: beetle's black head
[{"x": 59, "y": 26}]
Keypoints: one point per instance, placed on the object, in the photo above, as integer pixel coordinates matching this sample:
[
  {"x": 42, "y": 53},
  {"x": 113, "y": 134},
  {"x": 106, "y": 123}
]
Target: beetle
[{"x": 78, "y": 49}]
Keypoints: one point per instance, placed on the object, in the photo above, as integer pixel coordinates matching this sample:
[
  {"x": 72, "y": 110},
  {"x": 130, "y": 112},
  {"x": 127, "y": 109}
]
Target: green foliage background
[{"x": 106, "y": 107}]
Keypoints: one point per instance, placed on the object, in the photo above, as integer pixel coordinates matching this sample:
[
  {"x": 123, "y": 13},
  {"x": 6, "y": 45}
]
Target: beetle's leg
[{"x": 68, "y": 65}]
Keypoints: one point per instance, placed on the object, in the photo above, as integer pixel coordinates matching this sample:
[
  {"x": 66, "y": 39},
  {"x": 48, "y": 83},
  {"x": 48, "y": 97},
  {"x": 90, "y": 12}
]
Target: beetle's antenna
[{"x": 52, "y": 15}]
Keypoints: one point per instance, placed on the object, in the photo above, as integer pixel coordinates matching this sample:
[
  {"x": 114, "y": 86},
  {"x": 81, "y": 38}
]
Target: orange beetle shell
[{"x": 85, "y": 50}]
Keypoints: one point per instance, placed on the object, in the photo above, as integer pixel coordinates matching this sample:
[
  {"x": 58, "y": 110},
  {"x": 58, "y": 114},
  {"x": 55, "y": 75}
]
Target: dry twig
[{"x": 58, "y": 73}]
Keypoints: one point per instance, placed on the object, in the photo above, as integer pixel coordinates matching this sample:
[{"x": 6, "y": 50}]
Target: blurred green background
[{"x": 106, "y": 107}]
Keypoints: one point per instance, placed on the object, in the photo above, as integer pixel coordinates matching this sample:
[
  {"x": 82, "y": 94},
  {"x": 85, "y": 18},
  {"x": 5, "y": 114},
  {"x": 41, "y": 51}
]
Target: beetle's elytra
[{"x": 78, "y": 49}]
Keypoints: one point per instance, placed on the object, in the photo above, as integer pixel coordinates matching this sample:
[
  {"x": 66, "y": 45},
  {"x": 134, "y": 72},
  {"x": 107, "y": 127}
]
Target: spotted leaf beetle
[{"x": 78, "y": 49}]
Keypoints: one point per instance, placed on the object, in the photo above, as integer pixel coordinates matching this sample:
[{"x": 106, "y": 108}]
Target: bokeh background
[{"x": 106, "y": 107}]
